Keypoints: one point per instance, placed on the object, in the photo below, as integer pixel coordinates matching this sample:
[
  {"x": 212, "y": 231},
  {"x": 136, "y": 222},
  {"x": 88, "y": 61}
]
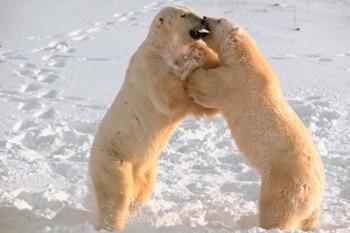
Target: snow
[{"x": 63, "y": 62}]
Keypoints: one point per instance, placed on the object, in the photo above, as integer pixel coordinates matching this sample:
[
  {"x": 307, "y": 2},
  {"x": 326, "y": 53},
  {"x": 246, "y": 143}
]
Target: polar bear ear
[{"x": 234, "y": 30}]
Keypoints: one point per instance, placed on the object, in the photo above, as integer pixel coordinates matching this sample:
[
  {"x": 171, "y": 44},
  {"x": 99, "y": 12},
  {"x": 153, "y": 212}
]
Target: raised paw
[
  {"x": 196, "y": 55},
  {"x": 188, "y": 63},
  {"x": 194, "y": 59}
]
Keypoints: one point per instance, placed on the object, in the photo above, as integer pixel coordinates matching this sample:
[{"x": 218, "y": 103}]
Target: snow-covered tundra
[{"x": 61, "y": 65}]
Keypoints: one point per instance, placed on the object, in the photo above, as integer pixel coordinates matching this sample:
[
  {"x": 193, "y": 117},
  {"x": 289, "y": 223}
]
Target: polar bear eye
[{"x": 183, "y": 15}]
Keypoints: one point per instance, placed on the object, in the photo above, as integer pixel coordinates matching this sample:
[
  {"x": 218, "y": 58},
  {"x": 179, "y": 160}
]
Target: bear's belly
[{"x": 125, "y": 136}]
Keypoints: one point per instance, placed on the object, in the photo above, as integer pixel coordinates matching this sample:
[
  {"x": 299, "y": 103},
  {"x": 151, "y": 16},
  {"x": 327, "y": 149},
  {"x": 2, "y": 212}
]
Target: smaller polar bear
[
  {"x": 265, "y": 128},
  {"x": 149, "y": 106}
]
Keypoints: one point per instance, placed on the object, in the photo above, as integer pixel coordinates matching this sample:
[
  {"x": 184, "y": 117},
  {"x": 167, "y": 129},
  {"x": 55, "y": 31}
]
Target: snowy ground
[{"x": 62, "y": 63}]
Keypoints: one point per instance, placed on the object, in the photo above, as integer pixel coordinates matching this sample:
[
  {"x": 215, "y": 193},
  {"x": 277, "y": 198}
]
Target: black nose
[{"x": 204, "y": 20}]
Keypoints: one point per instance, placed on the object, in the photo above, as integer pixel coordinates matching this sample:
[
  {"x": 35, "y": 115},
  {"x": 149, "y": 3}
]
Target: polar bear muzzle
[{"x": 200, "y": 31}]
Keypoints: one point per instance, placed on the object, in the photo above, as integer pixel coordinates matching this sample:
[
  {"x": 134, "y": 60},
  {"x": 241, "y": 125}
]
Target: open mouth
[{"x": 200, "y": 32}]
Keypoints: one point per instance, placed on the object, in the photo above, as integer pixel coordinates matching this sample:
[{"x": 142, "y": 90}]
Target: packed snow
[{"x": 63, "y": 62}]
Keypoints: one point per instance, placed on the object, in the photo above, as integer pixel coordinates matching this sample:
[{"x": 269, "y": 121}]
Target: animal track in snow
[
  {"x": 49, "y": 94},
  {"x": 55, "y": 63},
  {"x": 76, "y": 33},
  {"x": 325, "y": 59},
  {"x": 21, "y": 125},
  {"x": 56, "y": 46},
  {"x": 33, "y": 210},
  {"x": 63, "y": 45},
  {"x": 24, "y": 73},
  {"x": 48, "y": 78},
  {"x": 81, "y": 37},
  {"x": 127, "y": 16},
  {"x": 84, "y": 127},
  {"x": 7, "y": 53},
  {"x": 47, "y": 75},
  {"x": 313, "y": 55},
  {"x": 93, "y": 30},
  {"x": 29, "y": 105},
  {"x": 32, "y": 87},
  {"x": 27, "y": 65},
  {"x": 46, "y": 114},
  {"x": 316, "y": 113},
  {"x": 319, "y": 58},
  {"x": 283, "y": 57}
]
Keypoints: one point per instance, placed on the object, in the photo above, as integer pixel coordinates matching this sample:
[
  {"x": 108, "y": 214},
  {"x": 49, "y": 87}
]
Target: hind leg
[
  {"x": 275, "y": 211},
  {"x": 272, "y": 216},
  {"x": 144, "y": 182},
  {"x": 113, "y": 186},
  {"x": 310, "y": 223}
]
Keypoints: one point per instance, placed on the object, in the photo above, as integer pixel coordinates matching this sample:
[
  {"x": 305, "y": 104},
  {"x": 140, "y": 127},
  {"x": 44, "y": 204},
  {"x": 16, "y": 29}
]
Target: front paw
[
  {"x": 196, "y": 55},
  {"x": 191, "y": 61}
]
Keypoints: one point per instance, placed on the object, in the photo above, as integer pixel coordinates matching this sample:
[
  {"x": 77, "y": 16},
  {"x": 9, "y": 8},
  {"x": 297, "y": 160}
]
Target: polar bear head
[
  {"x": 177, "y": 25},
  {"x": 233, "y": 44},
  {"x": 221, "y": 31}
]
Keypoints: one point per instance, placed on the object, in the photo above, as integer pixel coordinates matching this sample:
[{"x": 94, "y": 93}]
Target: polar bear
[
  {"x": 149, "y": 106},
  {"x": 265, "y": 128}
]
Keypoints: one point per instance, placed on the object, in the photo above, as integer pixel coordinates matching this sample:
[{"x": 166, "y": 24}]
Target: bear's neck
[
  {"x": 247, "y": 63},
  {"x": 169, "y": 48},
  {"x": 169, "y": 41}
]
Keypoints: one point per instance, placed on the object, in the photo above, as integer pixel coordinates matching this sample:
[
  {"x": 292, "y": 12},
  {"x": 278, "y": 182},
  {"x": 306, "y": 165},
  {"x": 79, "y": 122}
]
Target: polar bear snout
[
  {"x": 204, "y": 21},
  {"x": 201, "y": 30}
]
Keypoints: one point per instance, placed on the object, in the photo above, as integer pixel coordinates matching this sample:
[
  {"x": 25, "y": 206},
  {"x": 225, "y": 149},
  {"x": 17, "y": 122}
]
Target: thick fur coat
[
  {"x": 149, "y": 106},
  {"x": 265, "y": 128}
]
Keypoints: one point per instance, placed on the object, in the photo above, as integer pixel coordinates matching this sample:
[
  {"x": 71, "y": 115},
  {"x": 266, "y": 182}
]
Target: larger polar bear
[
  {"x": 149, "y": 106},
  {"x": 265, "y": 128}
]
